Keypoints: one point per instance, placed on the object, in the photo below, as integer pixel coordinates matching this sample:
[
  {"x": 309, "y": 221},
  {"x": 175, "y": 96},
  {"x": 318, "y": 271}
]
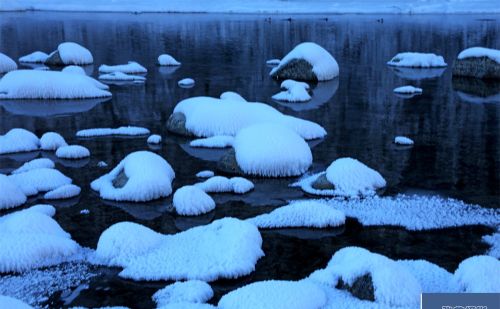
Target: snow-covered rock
[
  {"x": 479, "y": 52},
  {"x": 154, "y": 139},
  {"x": 74, "y": 69},
  {"x": 128, "y": 131},
  {"x": 221, "y": 184},
  {"x": 141, "y": 176},
  {"x": 192, "y": 201},
  {"x": 205, "y": 174},
  {"x": 72, "y": 152},
  {"x": 7, "y": 64},
  {"x": 231, "y": 95},
  {"x": 10, "y": 194},
  {"x": 186, "y": 83},
  {"x": 168, "y": 60},
  {"x": 494, "y": 241},
  {"x": 301, "y": 214},
  {"x": 191, "y": 291},
  {"x": 34, "y": 57},
  {"x": 13, "y": 303},
  {"x": 34, "y": 164},
  {"x": 131, "y": 67},
  {"x": 217, "y": 141},
  {"x": 39, "y": 180},
  {"x": 478, "y": 62},
  {"x": 18, "y": 140},
  {"x": 241, "y": 185},
  {"x": 408, "y": 90},
  {"x": 403, "y": 140},
  {"x": 70, "y": 53},
  {"x": 63, "y": 192},
  {"x": 417, "y": 60},
  {"x": 295, "y": 92},
  {"x": 50, "y": 141},
  {"x": 102, "y": 164},
  {"x": 307, "y": 61},
  {"x": 226, "y": 248},
  {"x": 478, "y": 274},
  {"x": 34, "y": 84},
  {"x": 120, "y": 76}
]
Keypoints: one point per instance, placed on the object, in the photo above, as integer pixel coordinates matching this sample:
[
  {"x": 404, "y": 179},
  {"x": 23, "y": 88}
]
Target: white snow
[
  {"x": 221, "y": 184},
  {"x": 205, "y": 174},
  {"x": 478, "y": 274},
  {"x": 34, "y": 57},
  {"x": 74, "y": 53},
  {"x": 186, "y": 82},
  {"x": 39, "y": 180},
  {"x": 84, "y": 211},
  {"x": 217, "y": 141},
  {"x": 271, "y": 150},
  {"x": 74, "y": 69},
  {"x": 129, "y": 130},
  {"x": 10, "y": 194},
  {"x": 149, "y": 177},
  {"x": 192, "y": 201},
  {"x": 154, "y": 139},
  {"x": 63, "y": 192},
  {"x": 102, "y": 164},
  {"x": 206, "y": 116},
  {"x": 307, "y": 213},
  {"x": 12, "y": 303},
  {"x": 417, "y": 60},
  {"x": 241, "y": 185},
  {"x": 166, "y": 59},
  {"x": 18, "y": 140},
  {"x": 225, "y": 248},
  {"x": 120, "y": 76},
  {"x": 295, "y": 92},
  {"x": 131, "y": 67},
  {"x": 273, "y": 61},
  {"x": 6, "y": 64},
  {"x": 51, "y": 141},
  {"x": 324, "y": 66},
  {"x": 274, "y": 294},
  {"x": 494, "y": 241},
  {"x": 35, "y": 84},
  {"x": 407, "y": 90},
  {"x": 475, "y": 52},
  {"x": 191, "y": 291},
  {"x": 34, "y": 164},
  {"x": 231, "y": 95},
  {"x": 72, "y": 152},
  {"x": 403, "y": 140}
]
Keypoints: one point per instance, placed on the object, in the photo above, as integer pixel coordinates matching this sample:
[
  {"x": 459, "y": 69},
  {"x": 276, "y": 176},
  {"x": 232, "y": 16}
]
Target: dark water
[{"x": 457, "y": 140}]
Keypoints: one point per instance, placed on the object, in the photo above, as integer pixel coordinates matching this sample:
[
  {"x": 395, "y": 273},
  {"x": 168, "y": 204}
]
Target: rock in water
[
  {"x": 297, "y": 69},
  {"x": 321, "y": 183},
  {"x": 479, "y": 67},
  {"x": 54, "y": 59},
  {"x": 228, "y": 163},
  {"x": 176, "y": 123}
]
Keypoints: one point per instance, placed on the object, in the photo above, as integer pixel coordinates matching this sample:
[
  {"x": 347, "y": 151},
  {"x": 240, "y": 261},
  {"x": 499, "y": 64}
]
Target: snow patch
[
  {"x": 231, "y": 95},
  {"x": 9, "y": 302},
  {"x": 221, "y": 184},
  {"x": 403, "y": 140},
  {"x": 74, "y": 69},
  {"x": 186, "y": 82},
  {"x": 295, "y": 92},
  {"x": 129, "y": 131},
  {"x": 217, "y": 141},
  {"x": 417, "y": 60},
  {"x": 273, "y": 62},
  {"x": 192, "y": 201},
  {"x": 131, "y": 67},
  {"x": 72, "y": 152}
]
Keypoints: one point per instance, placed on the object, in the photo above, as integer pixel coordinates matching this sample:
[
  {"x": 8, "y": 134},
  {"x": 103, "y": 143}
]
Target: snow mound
[
  {"x": 403, "y": 140},
  {"x": 154, "y": 139},
  {"x": 221, "y": 184},
  {"x": 51, "y": 141},
  {"x": 34, "y": 164},
  {"x": 122, "y": 77},
  {"x": 271, "y": 150},
  {"x": 147, "y": 177},
  {"x": 241, "y": 185},
  {"x": 478, "y": 52},
  {"x": 35, "y": 84},
  {"x": 192, "y": 201},
  {"x": 478, "y": 274},
  {"x": 39, "y": 180},
  {"x": 217, "y": 141},
  {"x": 18, "y": 140},
  {"x": 324, "y": 66},
  {"x": 7, "y": 64},
  {"x": 9, "y": 302},
  {"x": 63, "y": 192},
  {"x": 274, "y": 294},
  {"x": 72, "y": 152},
  {"x": 417, "y": 60},
  {"x": 231, "y": 95},
  {"x": 34, "y": 57},
  {"x": 73, "y": 53},
  {"x": 205, "y": 174},
  {"x": 295, "y": 92},
  {"x": 226, "y": 248},
  {"x": 407, "y": 90},
  {"x": 301, "y": 214},
  {"x": 494, "y": 241},
  {"x": 192, "y": 291},
  {"x": 186, "y": 82},
  {"x": 166, "y": 59},
  {"x": 74, "y": 69},
  {"x": 130, "y": 68},
  {"x": 273, "y": 61},
  {"x": 10, "y": 194},
  {"x": 129, "y": 131}
]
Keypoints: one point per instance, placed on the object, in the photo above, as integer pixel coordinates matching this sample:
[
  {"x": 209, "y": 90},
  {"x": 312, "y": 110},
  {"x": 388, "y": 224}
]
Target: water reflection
[{"x": 49, "y": 108}]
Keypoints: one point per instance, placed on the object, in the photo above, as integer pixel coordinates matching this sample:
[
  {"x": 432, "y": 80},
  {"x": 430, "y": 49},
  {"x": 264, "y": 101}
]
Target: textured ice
[
  {"x": 18, "y": 140},
  {"x": 166, "y": 59},
  {"x": 407, "y": 90},
  {"x": 479, "y": 274},
  {"x": 149, "y": 177},
  {"x": 72, "y": 152},
  {"x": 35, "y": 84},
  {"x": 191, "y": 291},
  {"x": 221, "y": 184},
  {"x": 131, "y": 67},
  {"x": 417, "y": 60},
  {"x": 7, "y": 64},
  {"x": 307, "y": 213},
  {"x": 206, "y": 116},
  {"x": 226, "y": 248},
  {"x": 403, "y": 140},
  {"x": 205, "y": 174},
  {"x": 217, "y": 141},
  {"x": 39, "y": 180},
  {"x": 63, "y": 192},
  {"x": 34, "y": 164},
  {"x": 34, "y": 57},
  {"x": 271, "y": 150},
  {"x": 192, "y": 201},
  {"x": 113, "y": 76},
  {"x": 51, "y": 141},
  {"x": 129, "y": 130},
  {"x": 10, "y": 194},
  {"x": 154, "y": 139},
  {"x": 324, "y": 66},
  {"x": 74, "y": 69},
  {"x": 475, "y": 52},
  {"x": 74, "y": 53},
  {"x": 295, "y": 92},
  {"x": 12, "y": 303},
  {"x": 186, "y": 82},
  {"x": 231, "y": 95}
]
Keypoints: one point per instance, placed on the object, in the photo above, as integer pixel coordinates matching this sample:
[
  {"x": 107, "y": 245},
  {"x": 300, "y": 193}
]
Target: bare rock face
[
  {"x": 296, "y": 69},
  {"x": 228, "y": 163},
  {"x": 176, "y": 123},
  {"x": 121, "y": 180},
  {"x": 479, "y": 67},
  {"x": 321, "y": 183},
  {"x": 54, "y": 59},
  {"x": 361, "y": 288}
]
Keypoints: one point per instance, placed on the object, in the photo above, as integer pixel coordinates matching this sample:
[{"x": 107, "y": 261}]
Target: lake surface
[{"x": 456, "y": 133}]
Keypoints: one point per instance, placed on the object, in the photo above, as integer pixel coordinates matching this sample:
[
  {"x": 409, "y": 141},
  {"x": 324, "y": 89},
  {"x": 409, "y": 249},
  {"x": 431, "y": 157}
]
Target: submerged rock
[
  {"x": 228, "y": 163},
  {"x": 176, "y": 123},
  {"x": 478, "y": 67},
  {"x": 362, "y": 287},
  {"x": 296, "y": 69}
]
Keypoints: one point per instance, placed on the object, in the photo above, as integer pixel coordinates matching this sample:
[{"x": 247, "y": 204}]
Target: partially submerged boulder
[
  {"x": 228, "y": 163},
  {"x": 69, "y": 53},
  {"x": 176, "y": 123},
  {"x": 478, "y": 62}
]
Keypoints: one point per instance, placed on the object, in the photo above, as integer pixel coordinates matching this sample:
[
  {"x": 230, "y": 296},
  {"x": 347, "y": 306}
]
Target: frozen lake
[{"x": 456, "y": 133}]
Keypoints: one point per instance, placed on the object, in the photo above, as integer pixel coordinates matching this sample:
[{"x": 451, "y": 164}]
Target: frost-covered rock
[
  {"x": 128, "y": 131},
  {"x": 39, "y": 180},
  {"x": 50, "y": 141},
  {"x": 70, "y": 53},
  {"x": 131, "y": 67},
  {"x": 18, "y": 140},
  {"x": 295, "y": 92},
  {"x": 241, "y": 185},
  {"x": 479, "y": 62},
  {"x": 231, "y": 95},
  {"x": 307, "y": 61},
  {"x": 120, "y": 76},
  {"x": 206, "y": 117},
  {"x": 417, "y": 60},
  {"x": 403, "y": 140},
  {"x": 205, "y": 174},
  {"x": 7, "y": 64},
  {"x": 192, "y": 201},
  {"x": 34, "y": 57},
  {"x": 221, "y": 184},
  {"x": 154, "y": 139},
  {"x": 34, "y": 84},
  {"x": 63, "y": 192},
  {"x": 72, "y": 152},
  {"x": 74, "y": 69},
  {"x": 273, "y": 62},
  {"x": 408, "y": 90},
  {"x": 13, "y": 303},
  {"x": 186, "y": 83},
  {"x": 34, "y": 164},
  {"x": 226, "y": 248},
  {"x": 478, "y": 274},
  {"x": 10, "y": 194},
  {"x": 191, "y": 291},
  {"x": 166, "y": 59},
  {"x": 217, "y": 141},
  {"x": 141, "y": 176}
]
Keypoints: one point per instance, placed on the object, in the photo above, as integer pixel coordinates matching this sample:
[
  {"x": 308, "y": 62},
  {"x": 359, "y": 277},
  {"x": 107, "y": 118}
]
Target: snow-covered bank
[{"x": 259, "y": 6}]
